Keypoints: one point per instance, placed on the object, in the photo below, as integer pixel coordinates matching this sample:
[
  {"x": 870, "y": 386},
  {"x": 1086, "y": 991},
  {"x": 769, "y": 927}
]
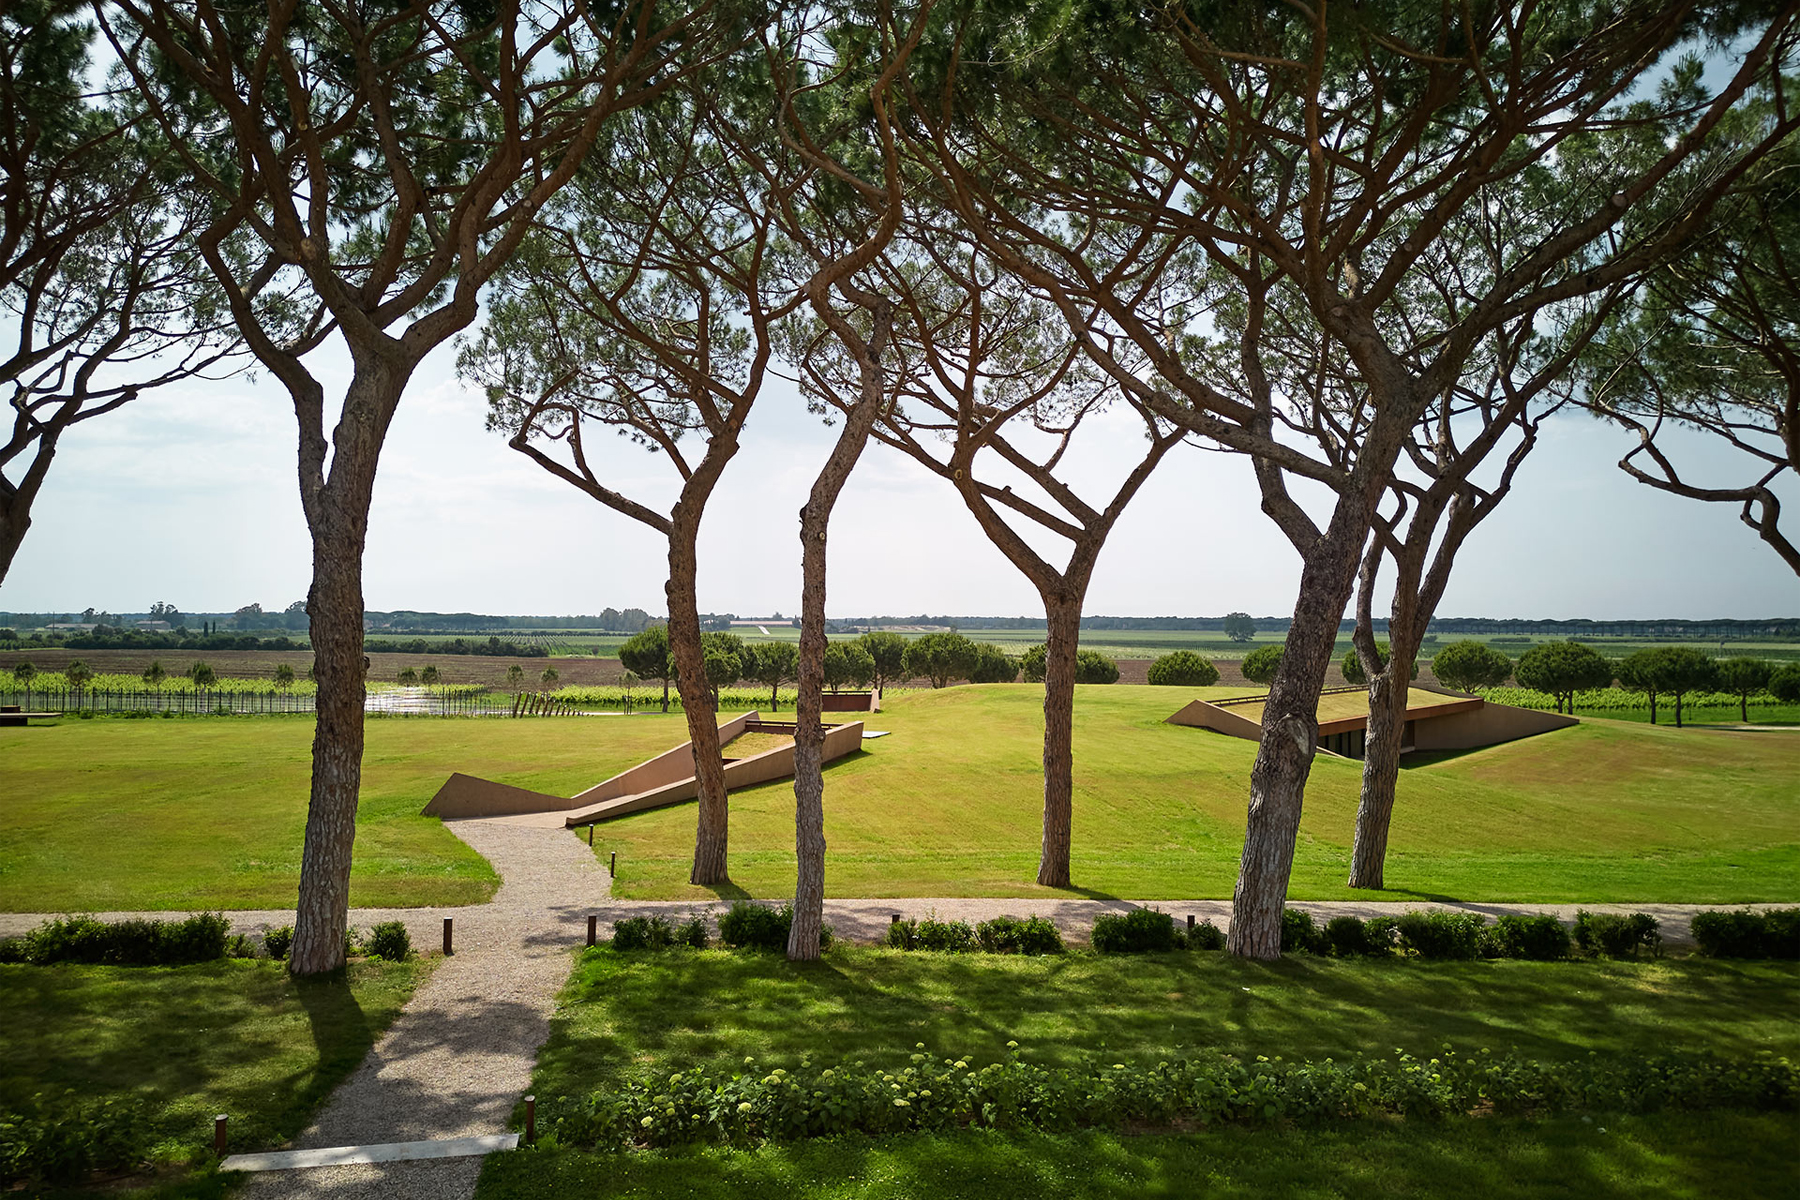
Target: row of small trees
[
  {"x": 1561, "y": 669},
  {"x": 876, "y": 659}
]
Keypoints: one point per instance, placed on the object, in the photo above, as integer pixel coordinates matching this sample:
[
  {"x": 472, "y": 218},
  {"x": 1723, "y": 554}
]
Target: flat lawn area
[
  {"x": 114, "y": 814},
  {"x": 210, "y": 812},
  {"x": 623, "y": 1014},
  {"x": 1668, "y": 1156},
  {"x": 629, "y": 1015},
  {"x": 237, "y": 1037},
  {"x": 951, "y": 805}
]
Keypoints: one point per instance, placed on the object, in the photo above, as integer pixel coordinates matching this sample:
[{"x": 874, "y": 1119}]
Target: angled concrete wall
[
  {"x": 1488, "y": 725},
  {"x": 467, "y": 796},
  {"x": 741, "y": 773},
  {"x": 1201, "y": 715},
  {"x": 671, "y": 766}
]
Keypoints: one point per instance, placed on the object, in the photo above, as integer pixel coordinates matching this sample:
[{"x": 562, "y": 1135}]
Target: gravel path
[{"x": 461, "y": 1054}]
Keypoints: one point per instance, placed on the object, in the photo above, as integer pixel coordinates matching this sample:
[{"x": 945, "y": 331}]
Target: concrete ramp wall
[
  {"x": 1488, "y": 725},
  {"x": 666, "y": 779},
  {"x": 741, "y": 773},
  {"x": 1201, "y": 715}
]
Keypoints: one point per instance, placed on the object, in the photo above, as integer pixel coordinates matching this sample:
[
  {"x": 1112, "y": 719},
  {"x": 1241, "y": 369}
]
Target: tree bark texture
[
  {"x": 1290, "y": 735},
  {"x": 713, "y": 821},
  {"x": 14, "y": 522},
  {"x": 1381, "y": 773},
  {"x": 1063, "y": 618},
  {"x": 337, "y": 515},
  {"x": 809, "y": 705}
]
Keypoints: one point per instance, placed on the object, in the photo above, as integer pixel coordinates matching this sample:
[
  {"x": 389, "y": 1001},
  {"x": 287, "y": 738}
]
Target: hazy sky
[{"x": 189, "y": 496}]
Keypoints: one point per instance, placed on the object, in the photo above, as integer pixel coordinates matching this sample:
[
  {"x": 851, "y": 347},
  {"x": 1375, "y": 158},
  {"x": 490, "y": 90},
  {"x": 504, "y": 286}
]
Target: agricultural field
[{"x": 948, "y": 805}]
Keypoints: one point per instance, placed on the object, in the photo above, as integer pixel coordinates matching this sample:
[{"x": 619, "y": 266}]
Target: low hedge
[
  {"x": 1747, "y": 934},
  {"x": 760, "y": 927},
  {"x": 1140, "y": 931},
  {"x": 658, "y": 933},
  {"x": 1001, "y": 935},
  {"x": 932, "y": 1094},
  {"x": 62, "y": 1140},
  {"x": 1616, "y": 935},
  {"x": 202, "y": 937}
]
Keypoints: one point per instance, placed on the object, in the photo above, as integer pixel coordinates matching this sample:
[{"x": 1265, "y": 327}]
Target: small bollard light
[
  {"x": 531, "y": 1120},
  {"x": 590, "y": 835},
  {"x": 219, "y": 1134},
  {"x": 896, "y": 919},
  {"x": 612, "y": 867},
  {"x": 1190, "y": 922},
  {"x": 447, "y": 950},
  {"x": 593, "y": 928}
]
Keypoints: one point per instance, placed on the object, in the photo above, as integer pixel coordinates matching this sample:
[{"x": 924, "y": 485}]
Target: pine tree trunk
[
  {"x": 809, "y": 704},
  {"x": 1063, "y": 635},
  {"x": 337, "y": 513},
  {"x": 1289, "y": 737},
  {"x": 713, "y": 822},
  {"x": 1381, "y": 774},
  {"x": 14, "y": 521}
]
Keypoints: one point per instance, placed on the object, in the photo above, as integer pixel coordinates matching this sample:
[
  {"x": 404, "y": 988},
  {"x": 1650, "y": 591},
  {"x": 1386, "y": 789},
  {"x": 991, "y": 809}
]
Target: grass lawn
[
  {"x": 1701, "y": 1156},
  {"x": 114, "y": 814},
  {"x": 627, "y": 1015},
  {"x": 238, "y": 1037},
  {"x": 951, "y": 805}
]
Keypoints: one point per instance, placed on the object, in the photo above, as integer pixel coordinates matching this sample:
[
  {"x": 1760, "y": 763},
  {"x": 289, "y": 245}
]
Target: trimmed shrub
[
  {"x": 277, "y": 941},
  {"x": 1616, "y": 935},
  {"x": 352, "y": 942},
  {"x": 13, "y": 950},
  {"x": 759, "y": 927},
  {"x": 1747, "y": 934},
  {"x": 1206, "y": 936},
  {"x": 1348, "y": 937},
  {"x": 1009, "y": 935},
  {"x": 389, "y": 942},
  {"x": 1383, "y": 934},
  {"x": 134, "y": 943},
  {"x": 1140, "y": 931},
  {"x": 1441, "y": 934},
  {"x": 1299, "y": 934},
  {"x": 1091, "y": 666},
  {"x": 951, "y": 937},
  {"x": 659, "y": 933},
  {"x": 1182, "y": 668},
  {"x": 692, "y": 933},
  {"x": 62, "y": 1141},
  {"x": 903, "y": 935},
  {"x": 1541, "y": 937}
]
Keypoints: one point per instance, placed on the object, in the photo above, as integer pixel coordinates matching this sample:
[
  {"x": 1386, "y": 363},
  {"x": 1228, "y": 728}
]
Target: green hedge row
[
  {"x": 134, "y": 943},
  {"x": 62, "y": 1140},
  {"x": 937, "y": 1094}
]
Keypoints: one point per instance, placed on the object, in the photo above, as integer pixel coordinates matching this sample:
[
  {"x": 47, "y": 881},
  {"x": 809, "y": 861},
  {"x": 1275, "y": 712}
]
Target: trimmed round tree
[
  {"x": 24, "y": 673},
  {"x": 993, "y": 665},
  {"x": 1638, "y": 672},
  {"x": 1091, "y": 666},
  {"x": 887, "y": 651},
  {"x": 1784, "y": 684},
  {"x": 1183, "y": 668},
  {"x": 646, "y": 655},
  {"x": 847, "y": 664},
  {"x": 1032, "y": 662},
  {"x": 1740, "y": 677},
  {"x": 1562, "y": 669},
  {"x": 1683, "y": 669},
  {"x": 1468, "y": 665},
  {"x": 772, "y": 664},
  {"x": 79, "y": 675},
  {"x": 1352, "y": 668},
  {"x": 941, "y": 657},
  {"x": 1259, "y": 666}
]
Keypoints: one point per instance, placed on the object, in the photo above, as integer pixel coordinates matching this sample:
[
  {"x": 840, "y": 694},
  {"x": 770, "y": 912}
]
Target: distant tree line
[{"x": 493, "y": 646}]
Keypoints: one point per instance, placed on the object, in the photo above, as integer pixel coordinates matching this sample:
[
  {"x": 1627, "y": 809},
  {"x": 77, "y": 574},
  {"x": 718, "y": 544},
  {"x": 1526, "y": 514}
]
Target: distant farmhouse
[{"x": 1434, "y": 720}]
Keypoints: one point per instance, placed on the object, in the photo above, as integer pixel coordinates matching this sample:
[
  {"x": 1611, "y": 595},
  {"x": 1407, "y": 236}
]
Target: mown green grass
[
  {"x": 647, "y": 1014},
  {"x": 951, "y": 805},
  {"x": 238, "y": 1037},
  {"x": 1704, "y": 1156},
  {"x": 624, "y": 1014},
  {"x": 124, "y": 815}
]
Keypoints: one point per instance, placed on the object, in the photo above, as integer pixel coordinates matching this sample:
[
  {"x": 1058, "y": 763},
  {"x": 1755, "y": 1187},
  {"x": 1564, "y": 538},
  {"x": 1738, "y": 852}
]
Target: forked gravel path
[{"x": 460, "y": 1056}]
